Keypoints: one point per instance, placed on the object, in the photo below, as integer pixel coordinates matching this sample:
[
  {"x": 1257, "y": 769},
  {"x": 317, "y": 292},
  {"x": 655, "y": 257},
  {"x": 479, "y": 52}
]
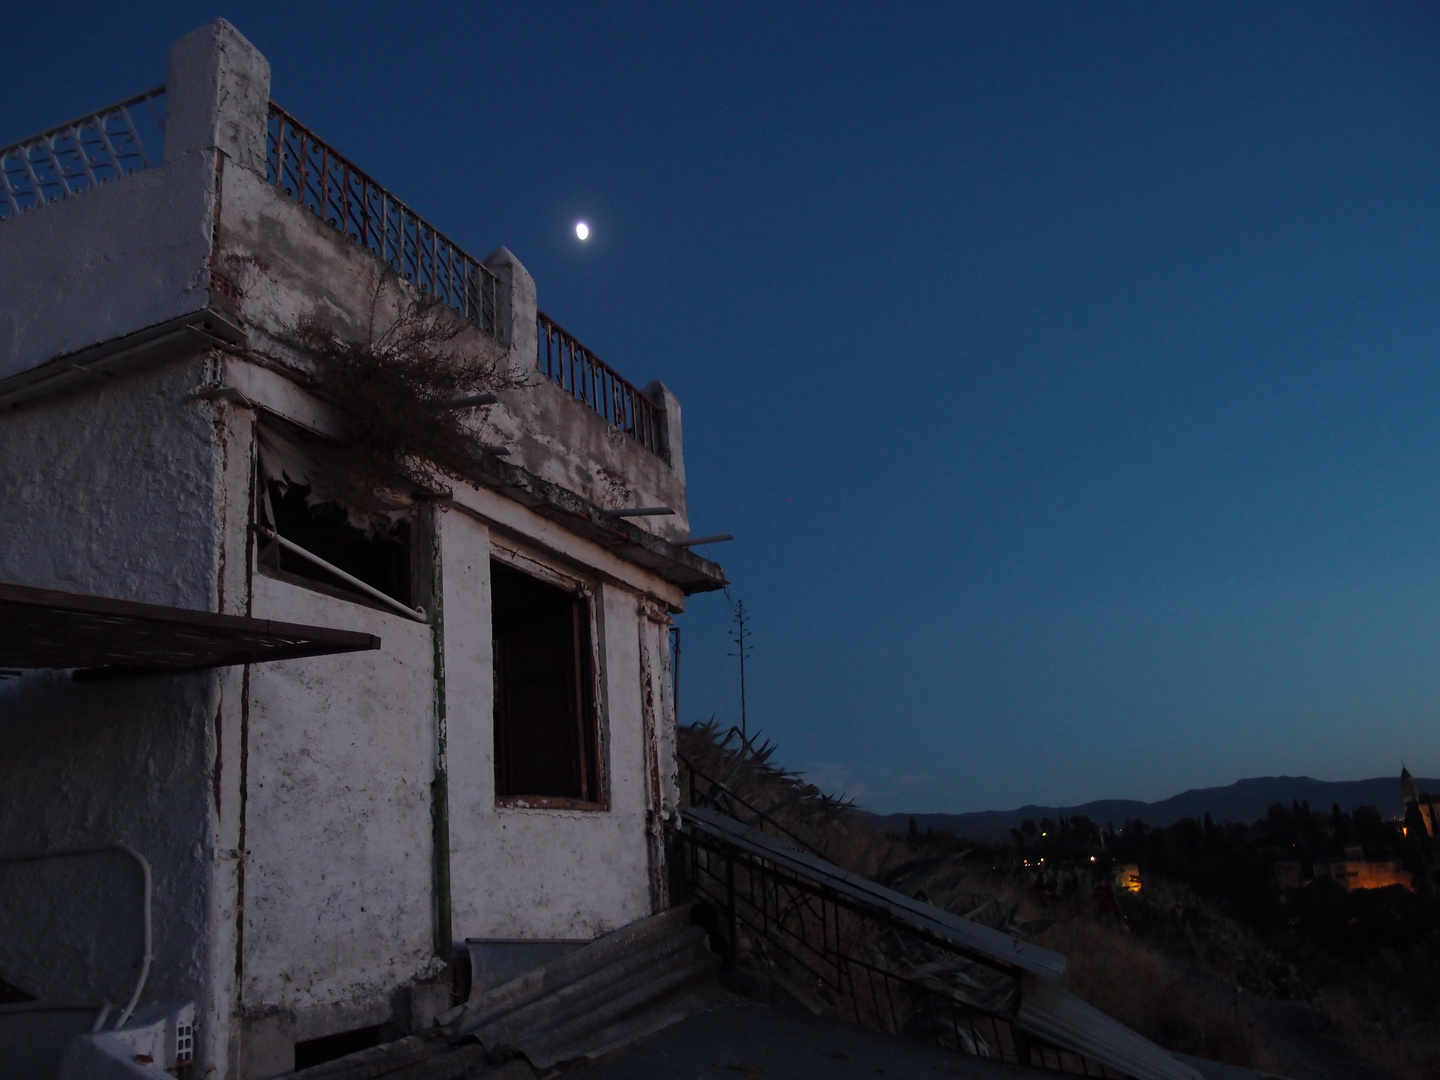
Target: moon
[{"x": 582, "y": 230}]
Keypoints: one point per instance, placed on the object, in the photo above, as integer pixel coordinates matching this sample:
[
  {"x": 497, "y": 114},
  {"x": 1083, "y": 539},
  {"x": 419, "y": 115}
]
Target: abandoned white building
[{"x": 342, "y": 726}]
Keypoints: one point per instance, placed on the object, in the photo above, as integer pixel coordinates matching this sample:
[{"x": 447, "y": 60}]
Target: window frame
[
  {"x": 265, "y": 563},
  {"x": 521, "y": 561}
]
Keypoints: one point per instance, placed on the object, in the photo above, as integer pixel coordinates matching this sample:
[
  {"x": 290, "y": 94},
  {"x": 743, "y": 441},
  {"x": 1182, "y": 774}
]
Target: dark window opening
[
  {"x": 318, "y": 1051},
  {"x": 380, "y": 558},
  {"x": 546, "y": 730}
]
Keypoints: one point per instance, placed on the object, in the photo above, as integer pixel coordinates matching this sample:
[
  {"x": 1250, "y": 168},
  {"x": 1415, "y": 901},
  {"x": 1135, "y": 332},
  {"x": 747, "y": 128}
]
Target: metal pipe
[
  {"x": 418, "y": 614},
  {"x": 696, "y": 541},
  {"x": 440, "y": 789},
  {"x": 644, "y": 511},
  {"x": 125, "y": 849}
]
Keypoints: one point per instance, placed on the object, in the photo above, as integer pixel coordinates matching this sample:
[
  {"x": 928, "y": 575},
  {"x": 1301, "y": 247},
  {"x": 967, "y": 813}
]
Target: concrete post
[
  {"x": 515, "y": 321},
  {"x": 217, "y": 95},
  {"x": 669, "y": 404}
]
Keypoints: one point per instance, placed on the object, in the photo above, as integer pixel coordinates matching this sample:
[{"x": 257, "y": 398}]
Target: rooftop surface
[{"x": 741, "y": 1038}]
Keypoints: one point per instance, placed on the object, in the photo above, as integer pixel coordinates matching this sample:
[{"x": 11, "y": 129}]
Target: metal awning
[{"x": 101, "y": 636}]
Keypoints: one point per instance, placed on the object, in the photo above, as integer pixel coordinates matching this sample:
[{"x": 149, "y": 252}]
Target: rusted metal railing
[
  {"x": 94, "y": 149},
  {"x": 587, "y": 378},
  {"x": 308, "y": 171}
]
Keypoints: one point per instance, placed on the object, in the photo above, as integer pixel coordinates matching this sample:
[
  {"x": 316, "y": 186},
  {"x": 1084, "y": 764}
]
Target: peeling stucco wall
[
  {"x": 271, "y": 248},
  {"x": 113, "y": 491},
  {"x": 338, "y": 880}
]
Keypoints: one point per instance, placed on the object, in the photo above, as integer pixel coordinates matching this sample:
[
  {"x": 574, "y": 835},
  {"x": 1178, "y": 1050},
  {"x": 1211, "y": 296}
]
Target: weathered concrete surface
[
  {"x": 218, "y": 90},
  {"x": 270, "y": 247},
  {"x": 338, "y": 881},
  {"x": 135, "y": 252}
]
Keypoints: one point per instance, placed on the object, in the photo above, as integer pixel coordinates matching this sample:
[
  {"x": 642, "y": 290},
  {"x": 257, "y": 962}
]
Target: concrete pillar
[
  {"x": 217, "y": 95},
  {"x": 669, "y": 404},
  {"x": 515, "y": 319}
]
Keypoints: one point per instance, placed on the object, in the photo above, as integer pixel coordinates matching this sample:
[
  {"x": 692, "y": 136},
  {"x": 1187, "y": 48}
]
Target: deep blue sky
[{"x": 1070, "y": 373}]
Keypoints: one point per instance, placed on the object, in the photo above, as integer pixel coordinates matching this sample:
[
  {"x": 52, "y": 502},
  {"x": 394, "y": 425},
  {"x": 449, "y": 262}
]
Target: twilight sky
[{"x": 1070, "y": 373}]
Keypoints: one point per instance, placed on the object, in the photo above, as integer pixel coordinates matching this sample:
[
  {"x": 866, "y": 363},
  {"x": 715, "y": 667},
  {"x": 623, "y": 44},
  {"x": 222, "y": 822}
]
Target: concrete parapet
[
  {"x": 671, "y": 431},
  {"x": 217, "y": 95},
  {"x": 515, "y": 321}
]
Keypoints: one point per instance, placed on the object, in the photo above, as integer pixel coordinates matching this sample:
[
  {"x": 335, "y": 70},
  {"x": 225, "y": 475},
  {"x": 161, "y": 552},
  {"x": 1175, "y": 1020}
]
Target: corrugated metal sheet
[
  {"x": 620, "y": 988},
  {"x": 966, "y": 936},
  {"x": 1052, "y": 1013}
]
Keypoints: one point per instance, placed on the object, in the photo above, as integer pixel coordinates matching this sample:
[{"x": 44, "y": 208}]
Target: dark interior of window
[
  {"x": 546, "y": 735},
  {"x": 379, "y": 558}
]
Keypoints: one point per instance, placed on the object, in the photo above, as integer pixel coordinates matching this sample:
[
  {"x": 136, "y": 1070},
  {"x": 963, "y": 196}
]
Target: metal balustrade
[
  {"x": 588, "y": 379},
  {"x": 308, "y": 171},
  {"x": 91, "y": 150}
]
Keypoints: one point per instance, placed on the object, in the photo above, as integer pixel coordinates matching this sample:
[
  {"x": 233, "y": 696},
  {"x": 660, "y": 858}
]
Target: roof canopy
[{"x": 101, "y": 636}]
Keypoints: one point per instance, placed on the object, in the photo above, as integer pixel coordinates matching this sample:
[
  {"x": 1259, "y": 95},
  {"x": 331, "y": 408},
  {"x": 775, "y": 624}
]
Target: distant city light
[{"x": 582, "y": 230}]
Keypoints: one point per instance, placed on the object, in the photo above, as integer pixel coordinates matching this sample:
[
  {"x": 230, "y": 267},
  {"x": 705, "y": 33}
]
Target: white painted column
[{"x": 469, "y": 698}]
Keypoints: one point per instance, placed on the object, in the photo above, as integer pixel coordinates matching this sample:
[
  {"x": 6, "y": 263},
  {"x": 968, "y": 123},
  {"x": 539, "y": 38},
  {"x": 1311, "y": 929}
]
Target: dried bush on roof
[
  {"x": 739, "y": 776},
  {"x": 393, "y": 386},
  {"x": 734, "y": 771}
]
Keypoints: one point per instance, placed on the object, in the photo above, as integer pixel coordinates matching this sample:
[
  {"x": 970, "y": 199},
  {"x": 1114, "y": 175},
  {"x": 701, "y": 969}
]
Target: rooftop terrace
[{"x": 128, "y": 137}]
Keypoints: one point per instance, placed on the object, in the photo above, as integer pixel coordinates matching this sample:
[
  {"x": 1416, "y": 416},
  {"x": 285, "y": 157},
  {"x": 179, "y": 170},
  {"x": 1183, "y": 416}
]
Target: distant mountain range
[{"x": 1244, "y": 800}]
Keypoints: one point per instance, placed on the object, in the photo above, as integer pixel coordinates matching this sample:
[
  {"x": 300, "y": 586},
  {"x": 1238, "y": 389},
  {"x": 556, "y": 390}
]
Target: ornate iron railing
[
  {"x": 116, "y": 141},
  {"x": 321, "y": 180},
  {"x": 589, "y": 379}
]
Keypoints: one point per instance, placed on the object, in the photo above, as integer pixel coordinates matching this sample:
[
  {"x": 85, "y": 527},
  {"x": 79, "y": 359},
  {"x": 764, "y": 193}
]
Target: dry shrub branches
[{"x": 393, "y": 389}]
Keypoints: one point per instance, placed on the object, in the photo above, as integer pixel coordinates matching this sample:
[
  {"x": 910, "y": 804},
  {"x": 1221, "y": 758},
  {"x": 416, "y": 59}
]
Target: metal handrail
[
  {"x": 310, "y": 172},
  {"x": 588, "y": 379},
  {"x": 759, "y": 818},
  {"x": 81, "y": 154},
  {"x": 815, "y": 930}
]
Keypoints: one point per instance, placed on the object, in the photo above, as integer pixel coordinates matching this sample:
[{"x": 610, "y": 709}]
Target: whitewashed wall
[
  {"x": 522, "y": 873},
  {"x": 88, "y": 763},
  {"x": 338, "y": 882},
  {"x": 116, "y": 492}
]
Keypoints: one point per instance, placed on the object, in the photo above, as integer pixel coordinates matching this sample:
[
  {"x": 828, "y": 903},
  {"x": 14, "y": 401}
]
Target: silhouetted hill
[{"x": 1244, "y": 800}]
